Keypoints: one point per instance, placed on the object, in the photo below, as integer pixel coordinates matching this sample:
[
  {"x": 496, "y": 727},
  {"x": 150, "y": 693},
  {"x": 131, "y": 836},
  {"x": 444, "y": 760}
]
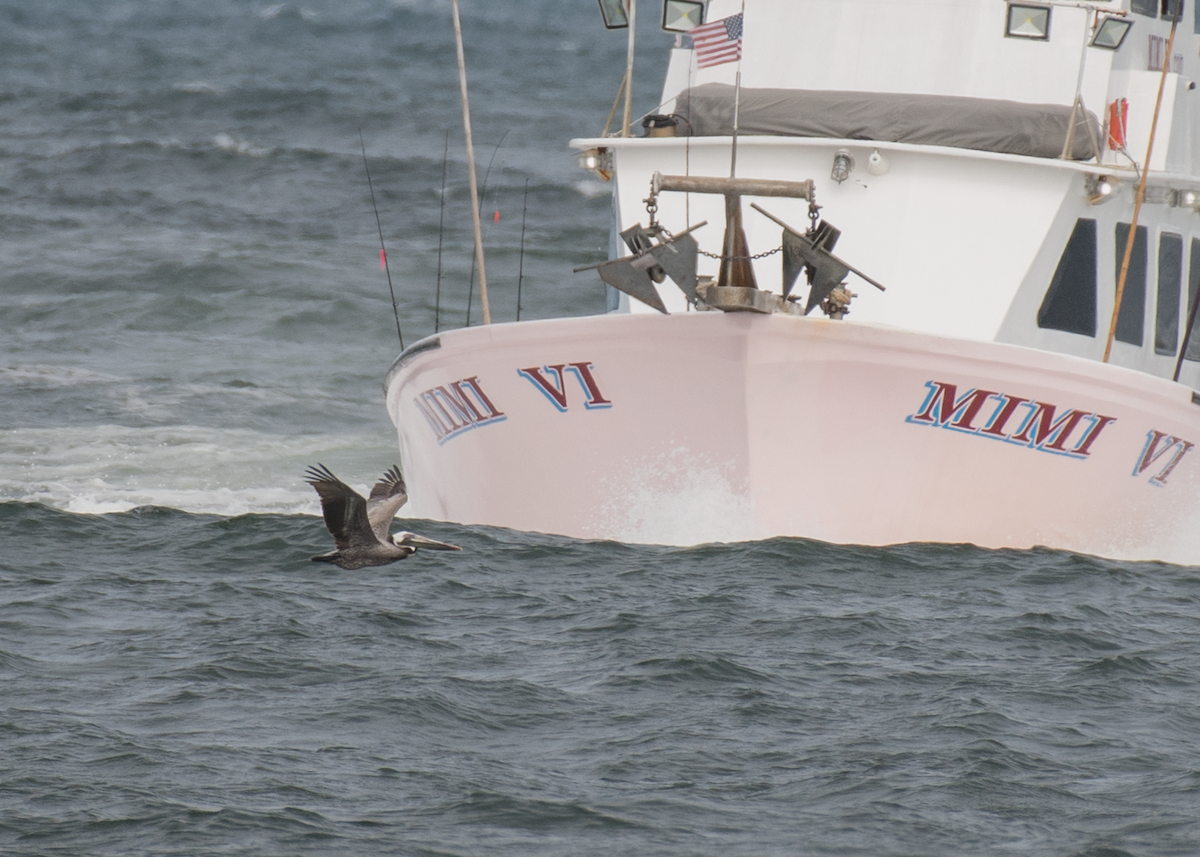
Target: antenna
[{"x": 382, "y": 248}]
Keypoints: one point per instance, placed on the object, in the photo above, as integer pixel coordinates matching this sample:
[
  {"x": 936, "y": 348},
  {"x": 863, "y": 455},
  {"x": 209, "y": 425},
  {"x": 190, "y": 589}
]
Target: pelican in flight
[{"x": 360, "y": 527}]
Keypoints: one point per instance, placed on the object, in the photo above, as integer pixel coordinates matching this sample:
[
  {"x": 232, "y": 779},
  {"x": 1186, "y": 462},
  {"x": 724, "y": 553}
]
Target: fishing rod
[
  {"x": 486, "y": 176},
  {"x": 437, "y": 301},
  {"x": 382, "y": 248},
  {"x": 521, "y": 263}
]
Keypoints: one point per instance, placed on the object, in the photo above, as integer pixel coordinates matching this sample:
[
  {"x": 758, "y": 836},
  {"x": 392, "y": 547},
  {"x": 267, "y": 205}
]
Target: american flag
[{"x": 718, "y": 42}]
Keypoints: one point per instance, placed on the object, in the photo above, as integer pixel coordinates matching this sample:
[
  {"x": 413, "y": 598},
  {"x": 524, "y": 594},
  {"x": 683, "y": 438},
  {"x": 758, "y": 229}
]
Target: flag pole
[
  {"x": 737, "y": 103},
  {"x": 466, "y": 111}
]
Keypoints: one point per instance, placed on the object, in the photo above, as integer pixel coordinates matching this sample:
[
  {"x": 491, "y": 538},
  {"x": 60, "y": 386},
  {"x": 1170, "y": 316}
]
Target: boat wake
[{"x": 100, "y": 470}]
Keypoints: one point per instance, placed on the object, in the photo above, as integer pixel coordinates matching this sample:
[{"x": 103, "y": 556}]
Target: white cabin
[{"x": 959, "y": 199}]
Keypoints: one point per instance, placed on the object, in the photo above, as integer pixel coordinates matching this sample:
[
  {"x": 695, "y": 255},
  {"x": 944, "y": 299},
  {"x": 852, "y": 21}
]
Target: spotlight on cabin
[
  {"x": 680, "y": 16},
  {"x": 1100, "y": 188},
  {"x": 1027, "y": 21},
  {"x": 1111, "y": 33},
  {"x": 598, "y": 162},
  {"x": 1158, "y": 195},
  {"x": 843, "y": 163},
  {"x": 615, "y": 17},
  {"x": 1188, "y": 199}
]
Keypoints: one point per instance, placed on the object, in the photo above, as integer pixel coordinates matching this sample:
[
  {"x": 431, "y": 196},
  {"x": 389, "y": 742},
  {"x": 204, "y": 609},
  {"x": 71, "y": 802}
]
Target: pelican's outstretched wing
[
  {"x": 387, "y": 496},
  {"x": 344, "y": 509}
]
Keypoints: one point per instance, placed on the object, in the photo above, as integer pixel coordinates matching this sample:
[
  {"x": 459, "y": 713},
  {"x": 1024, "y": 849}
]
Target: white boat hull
[{"x": 706, "y": 427}]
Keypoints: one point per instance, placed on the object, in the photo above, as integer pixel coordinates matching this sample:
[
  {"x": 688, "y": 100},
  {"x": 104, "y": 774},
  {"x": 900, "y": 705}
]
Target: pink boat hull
[{"x": 705, "y": 427}]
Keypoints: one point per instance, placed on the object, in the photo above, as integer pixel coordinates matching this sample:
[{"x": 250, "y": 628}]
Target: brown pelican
[{"x": 360, "y": 527}]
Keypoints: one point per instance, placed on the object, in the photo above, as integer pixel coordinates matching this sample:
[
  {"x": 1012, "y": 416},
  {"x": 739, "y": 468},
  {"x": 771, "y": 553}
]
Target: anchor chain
[{"x": 756, "y": 256}]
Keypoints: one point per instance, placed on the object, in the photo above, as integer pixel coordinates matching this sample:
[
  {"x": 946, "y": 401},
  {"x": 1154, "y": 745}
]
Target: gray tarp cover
[{"x": 1037, "y": 130}]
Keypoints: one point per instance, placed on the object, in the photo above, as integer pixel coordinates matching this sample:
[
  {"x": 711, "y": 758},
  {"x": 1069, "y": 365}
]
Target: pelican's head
[{"x": 412, "y": 541}]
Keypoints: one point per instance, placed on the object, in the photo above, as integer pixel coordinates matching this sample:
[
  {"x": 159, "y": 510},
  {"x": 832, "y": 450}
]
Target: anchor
[
  {"x": 674, "y": 256},
  {"x": 657, "y": 254}
]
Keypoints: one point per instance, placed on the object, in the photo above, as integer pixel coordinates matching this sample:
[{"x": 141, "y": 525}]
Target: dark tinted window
[
  {"x": 1132, "y": 319},
  {"x": 1193, "y": 348},
  {"x": 1070, "y": 302},
  {"x": 1167, "y": 8},
  {"x": 1146, "y": 7},
  {"x": 1166, "y": 312}
]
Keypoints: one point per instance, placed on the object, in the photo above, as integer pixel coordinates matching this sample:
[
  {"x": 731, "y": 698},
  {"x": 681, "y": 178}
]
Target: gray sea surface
[{"x": 192, "y": 311}]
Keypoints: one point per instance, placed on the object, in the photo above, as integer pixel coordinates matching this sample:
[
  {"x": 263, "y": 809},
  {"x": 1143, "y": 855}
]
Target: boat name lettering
[
  {"x": 1158, "y": 444},
  {"x": 549, "y": 381},
  {"x": 1001, "y": 416},
  {"x": 457, "y": 407}
]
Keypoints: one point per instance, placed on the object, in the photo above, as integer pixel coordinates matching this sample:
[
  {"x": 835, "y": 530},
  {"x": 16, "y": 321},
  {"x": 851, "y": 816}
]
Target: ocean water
[{"x": 192, "y": 311}]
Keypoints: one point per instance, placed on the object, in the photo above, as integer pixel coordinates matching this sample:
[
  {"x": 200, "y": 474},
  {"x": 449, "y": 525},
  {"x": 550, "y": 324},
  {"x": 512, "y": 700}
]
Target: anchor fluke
[
  {"x": 631, "y": 275},
  {"x": 652, "y": 263},
  {"x": 825, "y": 271},
  {"x": 811, "y": 253}
]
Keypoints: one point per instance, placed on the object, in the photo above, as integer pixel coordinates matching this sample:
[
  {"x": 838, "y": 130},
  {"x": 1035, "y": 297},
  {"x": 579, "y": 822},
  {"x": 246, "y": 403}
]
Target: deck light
[
  {"x": 843, "y": 163},
  {"x": 599, "y": 162},
  {"x": 1158, "y": 195},
  {"x": 1111, "y": 33},
  {"x": 1188, "y": 199},
  {"x": 615, "y": 17},
  {"x": 1100, "y": 188},
  {"x": 679, "y": 16},
  {"x": 1026, "y": 21}
]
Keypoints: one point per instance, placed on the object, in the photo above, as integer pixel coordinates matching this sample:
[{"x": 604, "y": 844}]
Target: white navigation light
[
  {"x": 1100, "y": 188},
  {"x": 615, "y": 17},
  {"x": 1111, "y": 32},
  {"x": 843, "y": 163},
  {"x": 679, "y": 16},
  {"x": 1188, "y": 199},
  {"x": 598, "y": 162},
  {"x": 1026, "y": 21}
]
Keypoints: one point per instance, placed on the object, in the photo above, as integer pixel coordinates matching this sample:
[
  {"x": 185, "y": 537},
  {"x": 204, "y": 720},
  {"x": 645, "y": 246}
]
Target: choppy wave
[{"x": 180, "y": 681}]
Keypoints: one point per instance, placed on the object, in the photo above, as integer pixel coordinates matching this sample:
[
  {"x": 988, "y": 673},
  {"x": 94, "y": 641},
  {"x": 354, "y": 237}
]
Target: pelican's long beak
[{"x": 428, "y": 544}]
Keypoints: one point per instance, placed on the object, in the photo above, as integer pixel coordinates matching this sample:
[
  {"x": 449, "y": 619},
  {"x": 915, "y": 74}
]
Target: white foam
[
  {"x": 47, "y": 375},
  {"x": 195, "y": 469},
  {"x": 589, "y": 188},
  {"x": 232, "y": 144},
  {"x": 678, "y": 498}
]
